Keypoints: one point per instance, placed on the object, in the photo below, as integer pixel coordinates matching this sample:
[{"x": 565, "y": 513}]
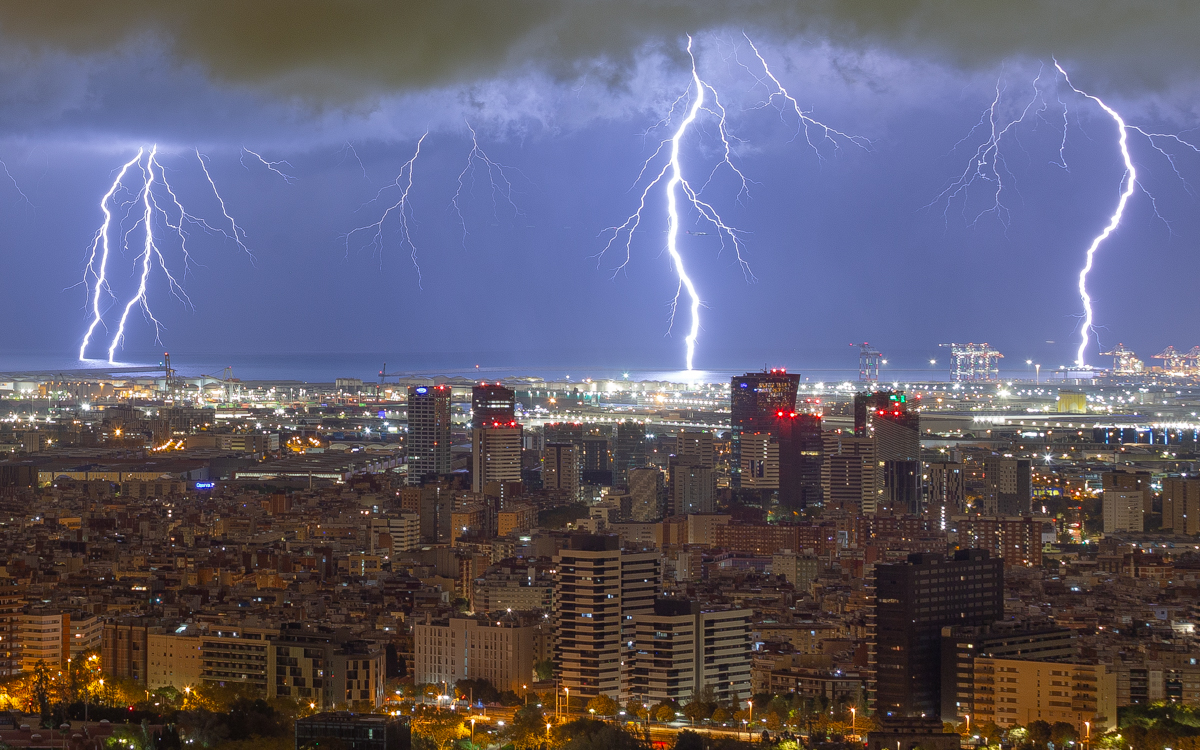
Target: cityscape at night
[{"x": 570, "y": 376}]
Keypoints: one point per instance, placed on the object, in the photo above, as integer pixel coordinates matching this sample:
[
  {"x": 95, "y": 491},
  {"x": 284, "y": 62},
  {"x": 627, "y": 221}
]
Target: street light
[
  {"x": 750, "y": 723},
  {"x": 853, "y": 716}
]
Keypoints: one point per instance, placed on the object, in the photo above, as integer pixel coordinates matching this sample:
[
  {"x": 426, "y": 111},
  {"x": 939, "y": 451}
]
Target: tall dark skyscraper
[
  {"x": 758, "y": 402},
  {"x": 629, "y": 450},
  {"x": 913, "y": 602},
  {"x": 887, "y": 419},
  {"x": 428, "y": 431},
  {"x": 800, "y": 457},
  {"x": 493, "y": 405}
]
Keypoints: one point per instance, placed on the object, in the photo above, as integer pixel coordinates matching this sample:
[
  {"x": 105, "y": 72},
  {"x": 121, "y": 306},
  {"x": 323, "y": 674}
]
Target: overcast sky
[{"x": 846, "y": 240}]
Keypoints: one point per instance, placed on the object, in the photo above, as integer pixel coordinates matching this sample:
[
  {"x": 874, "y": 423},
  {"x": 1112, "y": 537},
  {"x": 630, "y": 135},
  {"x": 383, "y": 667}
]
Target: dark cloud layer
[{"x": 340, "y": 50}]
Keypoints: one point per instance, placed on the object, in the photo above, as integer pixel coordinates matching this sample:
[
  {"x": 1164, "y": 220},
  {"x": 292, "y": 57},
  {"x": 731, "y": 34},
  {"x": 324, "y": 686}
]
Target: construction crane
[
  {"x": 1125, "y": 362},
  {"x": 973, "y": 362},
  {"x": 868, "y": 362},
  {"x": 384, "y": 374},
  {"x": 1173, "y": 360},
  {"x": 170, "y": 374}
]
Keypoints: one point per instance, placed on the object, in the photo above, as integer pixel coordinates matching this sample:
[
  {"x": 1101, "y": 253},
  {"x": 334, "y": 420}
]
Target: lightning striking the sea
[
  {"x": 671, "y": 175},
  {"x": 1130, "y": 180},
  {"x": 160, "y": 206},
  {"x": 987, "y": 165}
]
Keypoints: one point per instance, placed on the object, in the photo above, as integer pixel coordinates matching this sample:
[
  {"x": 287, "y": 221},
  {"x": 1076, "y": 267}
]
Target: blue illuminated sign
[
  {"x": 422, "y": 390},
  {"x": 205, "y": 485}
]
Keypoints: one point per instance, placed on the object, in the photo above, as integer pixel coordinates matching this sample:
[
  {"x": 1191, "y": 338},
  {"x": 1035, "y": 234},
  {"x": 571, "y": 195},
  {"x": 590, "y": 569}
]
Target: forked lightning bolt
[
  {"x": 402, "y": 207},
  {"x": 987, "y": 165},
  {"x": 1130, "y": 180},
  {"x": 154, "y": 201},
  {"x": 671, "y": 175},
  {"x": 402, "y": 188}
]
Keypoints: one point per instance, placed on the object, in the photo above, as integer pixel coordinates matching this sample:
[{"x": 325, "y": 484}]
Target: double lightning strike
[
  {"x": 153, "y": 205},
  {"x": 670, "y": 174}
]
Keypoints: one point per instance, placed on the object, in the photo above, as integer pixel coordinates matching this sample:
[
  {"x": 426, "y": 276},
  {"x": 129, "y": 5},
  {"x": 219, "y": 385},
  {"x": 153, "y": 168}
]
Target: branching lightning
[
  {"x": 1130, "y": 180},
  {"x": 497, "y": 174},
  {"x": 402, "y": 187},
  {"x": 273, "y": 165},
  {"x": 670, "y": 174},
  {"x": 987, "y": 165},
  {"x": 155, "y": 203},
  {"x": 402, "y": 207}
]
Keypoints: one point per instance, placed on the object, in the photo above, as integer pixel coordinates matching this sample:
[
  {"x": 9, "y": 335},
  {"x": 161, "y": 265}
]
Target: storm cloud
[{"x": 336, "y": 52}]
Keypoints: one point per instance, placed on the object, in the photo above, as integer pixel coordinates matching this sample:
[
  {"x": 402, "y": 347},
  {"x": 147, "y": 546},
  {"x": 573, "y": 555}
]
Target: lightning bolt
[
  {"x": 163, "y": 205},
  {"x": 1130, "y": 180},
  {"x": 987, "y": 163},
  {"x": 670, "y": 174},
  {"x": 402, "y": 207},
  {"x": 100, "y": 243},
  {"x": 271, "y": 165},
  {"x": 403, "y": 186},
  {"x": 149, "y": 251},
  {"x": 502, "y": 187}
]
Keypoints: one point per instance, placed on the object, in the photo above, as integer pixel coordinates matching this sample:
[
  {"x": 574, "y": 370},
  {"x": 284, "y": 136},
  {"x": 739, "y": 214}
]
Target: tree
[
  {"x": 203, "y": 728},
  {"x": 443, "y": 727},
  {"x": 528, "y": 728},
  {"x": 1062, "y": 732},
  {"x": 1039, "y": 734},
  {"x": 689, "y": 740},
  {"x": 603, "y": 705},
  {"x": 697, "y": 711},
  {"x": 634, "y": 708},
  {"x": 544, "y": 669},
  {"x": 720, "y": 715},
  {"x": 589, "y": 734},
  {"x": 664, "y": 712}
]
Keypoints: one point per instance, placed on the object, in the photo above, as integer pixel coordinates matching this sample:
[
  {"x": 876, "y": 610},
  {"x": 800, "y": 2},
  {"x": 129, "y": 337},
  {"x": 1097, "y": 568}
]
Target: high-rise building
[
  {"x": 648, "y": 494},
  {"x": 596, "y": 458},
  {"x": 1020, "y": 691},
  {"x": 681, "y": 648},
  {"x": 599, "y": 590},
  {"x": 693, "y": 487},
  {"x": 1181, "y": 505},
  {"x": 393, "y": 534},
  {"x": 849, "y": 476},
  {"x": 1131, "y": 480},
  {"x": 887, "y": 419},
  {"x": 1015, "y": 539},
  {"x": 945, "y": 491},
  {"x": 629, "y": 450},
  {"x": 1122, "y": 511},
  {"x": 1008, "y": 486},
  {"x": 759, "y": 461},
  {"x": 697, "y": 445},
  {"x": 561, "y": 469},
  {"x": 492, "y": 405},
  {"x": 757, "y": 401},
  {"x": 961, "y": 646},
  {"x": 495, "y": 455},
  {"x": 913, "y": 602},
  {"x": 801, "y": 458},
  {"x": 428, "y": 431},
  {"x": 474, "y": 648}
]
